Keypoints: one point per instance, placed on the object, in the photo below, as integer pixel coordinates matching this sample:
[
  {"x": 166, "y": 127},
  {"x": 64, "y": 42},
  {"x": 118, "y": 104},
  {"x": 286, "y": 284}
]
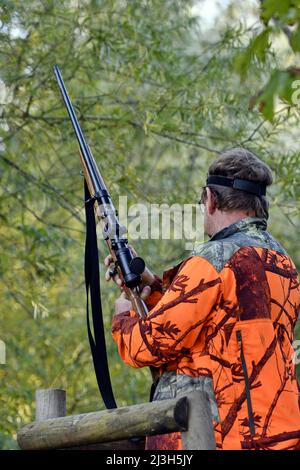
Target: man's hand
[
  {"x": 147, "y": 276},
  {"x": 122, "y": 304}
]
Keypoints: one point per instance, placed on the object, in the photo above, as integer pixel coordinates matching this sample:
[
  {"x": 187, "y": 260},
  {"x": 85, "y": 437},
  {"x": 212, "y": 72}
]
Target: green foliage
[
  {"x": 158, "y": 96},
  {"x": 257, "y": 49},
  {"x": 278, "y": 19}
]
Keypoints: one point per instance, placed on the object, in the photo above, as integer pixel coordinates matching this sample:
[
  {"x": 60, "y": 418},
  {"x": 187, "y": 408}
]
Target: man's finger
[
  {"x": 113, "y": 270},
  {"x": 116, "y": 278},
  {"x": 145, "y": 292},
  {"x": 111, "y": 273},
  {"x": 108, "y": 260}
]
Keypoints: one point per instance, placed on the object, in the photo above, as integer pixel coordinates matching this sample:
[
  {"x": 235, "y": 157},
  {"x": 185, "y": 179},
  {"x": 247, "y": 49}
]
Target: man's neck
[{"x": 225, "y": 219}]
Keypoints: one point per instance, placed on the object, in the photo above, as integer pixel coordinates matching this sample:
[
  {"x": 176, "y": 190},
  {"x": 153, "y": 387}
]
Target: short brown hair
[{"x": 243, "y": 164}]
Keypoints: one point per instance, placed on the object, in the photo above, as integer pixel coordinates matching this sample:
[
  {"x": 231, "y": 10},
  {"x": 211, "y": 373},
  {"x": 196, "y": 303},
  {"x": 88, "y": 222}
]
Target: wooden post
[
  {"x": 50, "y": 403},
  {"x": 199, "y": 434}
]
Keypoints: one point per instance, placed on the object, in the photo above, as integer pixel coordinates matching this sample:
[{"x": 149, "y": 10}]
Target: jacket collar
[{"x": 243, "y": 225}]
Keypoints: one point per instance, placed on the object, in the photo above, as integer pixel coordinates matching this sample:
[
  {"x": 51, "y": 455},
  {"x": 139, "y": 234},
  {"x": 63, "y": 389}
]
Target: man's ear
[{"x": 211, "y": 201}]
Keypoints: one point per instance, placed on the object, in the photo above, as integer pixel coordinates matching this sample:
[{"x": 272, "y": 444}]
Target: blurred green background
[{"x": 160, "y": 87}]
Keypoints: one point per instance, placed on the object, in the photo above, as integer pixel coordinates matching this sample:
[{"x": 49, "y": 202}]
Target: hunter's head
[{"x": 224, "y": 205}]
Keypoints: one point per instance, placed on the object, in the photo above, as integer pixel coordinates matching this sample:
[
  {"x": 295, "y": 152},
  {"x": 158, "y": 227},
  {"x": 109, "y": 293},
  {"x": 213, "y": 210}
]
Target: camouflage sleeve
[
  {"x": 173, "y": 325},
  {"x": 159, "y": 286},
  {"x": 156, "y": 293}
]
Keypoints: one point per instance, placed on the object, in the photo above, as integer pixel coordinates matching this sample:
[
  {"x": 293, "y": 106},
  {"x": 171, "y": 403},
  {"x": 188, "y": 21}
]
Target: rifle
[{"x": 98, "y": 203}]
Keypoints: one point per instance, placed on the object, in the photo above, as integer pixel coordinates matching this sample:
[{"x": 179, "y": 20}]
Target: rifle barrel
[{"x": 96, "y": 178}]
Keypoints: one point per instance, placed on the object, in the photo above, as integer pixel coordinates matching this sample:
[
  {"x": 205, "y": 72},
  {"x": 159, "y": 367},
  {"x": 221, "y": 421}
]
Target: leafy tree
[{"x": 277, "y": 19}]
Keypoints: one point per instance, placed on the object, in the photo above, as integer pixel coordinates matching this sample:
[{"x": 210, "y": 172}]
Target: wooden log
[
  {"x": 200, "y": 433},
  {"x": 157, "y": 417},
  {"x": 50, "y": 403}
]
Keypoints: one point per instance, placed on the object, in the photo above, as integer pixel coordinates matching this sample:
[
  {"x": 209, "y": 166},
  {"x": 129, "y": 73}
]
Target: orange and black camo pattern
[{"x": 224, "y": 319}]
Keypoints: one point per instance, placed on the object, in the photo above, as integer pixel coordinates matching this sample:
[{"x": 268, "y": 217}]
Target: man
[{"x": 223, "y": 320}]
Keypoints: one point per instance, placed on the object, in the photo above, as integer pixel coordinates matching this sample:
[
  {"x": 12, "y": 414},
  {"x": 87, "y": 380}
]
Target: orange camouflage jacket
[{"x": 223, "y": 321}]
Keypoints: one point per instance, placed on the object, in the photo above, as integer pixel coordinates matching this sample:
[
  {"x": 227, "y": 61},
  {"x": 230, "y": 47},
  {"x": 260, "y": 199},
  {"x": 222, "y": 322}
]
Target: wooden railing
[{"x": 118, "y": 429}]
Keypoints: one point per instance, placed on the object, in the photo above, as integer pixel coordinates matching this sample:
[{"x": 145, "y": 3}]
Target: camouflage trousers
[{"x": 172, "y": 385}]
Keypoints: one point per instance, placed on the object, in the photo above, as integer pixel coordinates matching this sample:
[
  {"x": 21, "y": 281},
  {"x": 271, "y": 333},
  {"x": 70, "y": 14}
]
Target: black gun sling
[{"x": 92, "y": 283}]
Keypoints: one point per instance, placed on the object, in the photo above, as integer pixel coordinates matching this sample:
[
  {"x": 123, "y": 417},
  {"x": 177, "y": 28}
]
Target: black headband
[{"x": 258, "y": 189}]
